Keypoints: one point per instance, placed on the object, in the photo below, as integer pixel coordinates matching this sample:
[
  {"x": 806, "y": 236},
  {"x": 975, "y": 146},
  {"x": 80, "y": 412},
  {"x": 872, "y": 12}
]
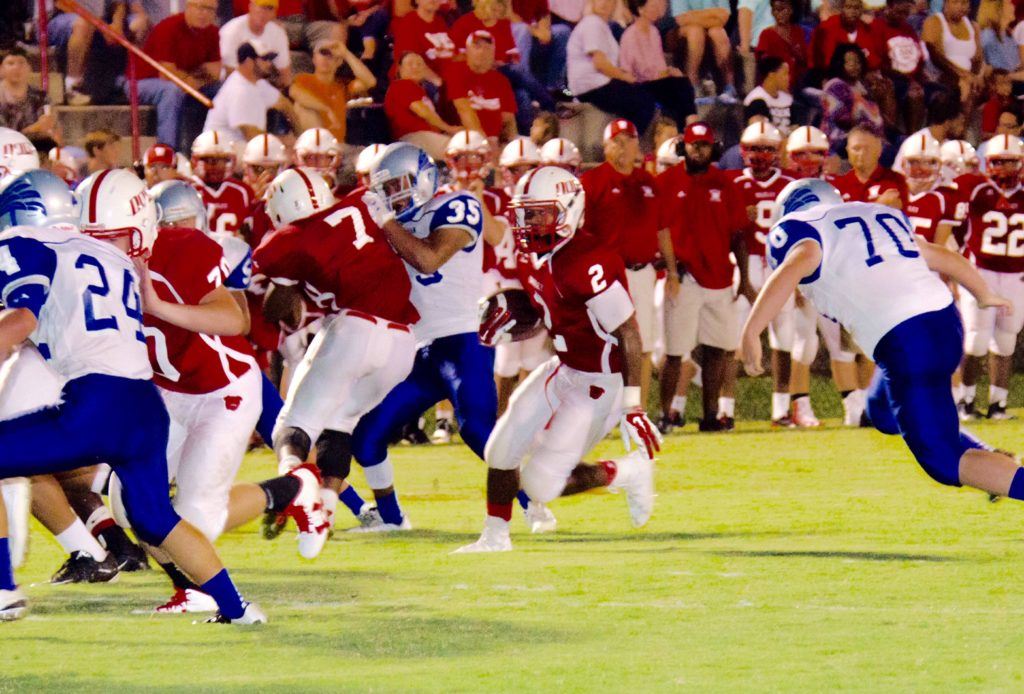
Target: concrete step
[{"x": 77, "y": 121}]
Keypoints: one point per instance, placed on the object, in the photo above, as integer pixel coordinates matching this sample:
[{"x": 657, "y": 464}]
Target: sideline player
[
  {"x": 264, "y": 157},
  {"x": 850, "y": 260},
  {"x": 228, "y": 201},
  {"x": 319, "y": 150},
  {"x": 930, "y": 212}
]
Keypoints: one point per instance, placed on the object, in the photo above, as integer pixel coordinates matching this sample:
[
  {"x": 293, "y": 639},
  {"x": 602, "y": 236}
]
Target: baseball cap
[
  {"x": 479, "y": 35},
  {"x": 158, "y": 154},
  {"x": 698, "y": 132},
  {"x": 619, "y": 126},
  {"x": 254, "y": 49}
]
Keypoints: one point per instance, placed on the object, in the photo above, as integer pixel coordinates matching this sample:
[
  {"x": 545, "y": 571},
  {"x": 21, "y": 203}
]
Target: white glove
[
  {"x": 380, "y": 212},
  {"x": 636, "y": 427}
]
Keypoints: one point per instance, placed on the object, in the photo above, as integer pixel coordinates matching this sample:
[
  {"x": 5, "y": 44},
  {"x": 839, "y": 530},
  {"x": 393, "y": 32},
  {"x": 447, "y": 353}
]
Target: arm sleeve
[
  {"x": 600, "y": 281},
  {"x": 785, "y": 236},
  {"x": 27, "y": 268},
  {"x": 612, "y": 307},
  {"x": 228, "y": 46}
]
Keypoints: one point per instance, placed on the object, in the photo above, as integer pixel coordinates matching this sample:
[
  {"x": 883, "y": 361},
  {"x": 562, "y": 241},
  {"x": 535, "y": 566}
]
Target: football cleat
[
  {"x": 252, "y": 615},
  {"x": 307, "y": 510},
  {"x": 379, "y": 526},
  {"x": 368, "y": 515},
  {"x": 13, "y": 605},
  {"x": 130, "y": 557},
  {"x": 414, "y": 435},
  {"x": 539, "y": 518},
  {"x": 273, "y": 525},
  {"x": 967, "y": 411},
  {"x": 670, "y": 422},
  {"x": 998, "y": 412},
  {"x": 82, "y": 568},
  {"x": 494, "y": 538},
  {"x": 785, "y": 422},
  {"x": 443, "y": 431},
  {"x": 635, "y": 476},
  {"x": 803, "y": 414},
  {"x": 728, "y": 423},
  {"x": 711, "y": 426},
  {"x": 187, "y": 600}
]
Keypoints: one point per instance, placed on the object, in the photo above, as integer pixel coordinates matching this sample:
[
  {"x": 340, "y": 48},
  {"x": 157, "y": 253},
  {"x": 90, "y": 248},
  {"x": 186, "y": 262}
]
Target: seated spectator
[
  {"x": 545, "y": 127},
  {"x": 846, "y": 102},
  {"x": 848, "y": 26},
  {"x": 425, "y": 33},
  {"x": 785, "y": 40},
  {"x": 321, "y": 98},
  {"x": 772, "y": 82},
  {"x": 701, "y": 21},
  {"x": 752, "y": 18},
  {"x": 188, "y": 45},
  {"x": 72, "y": 33},
  {"x": 999, "y": 45},
  {"x": 954, "y": 46},
  {"x": 1007, "y": 123},
  {"x": 568, "y": 12},
  {"x": 481, "y": 96},
  {"x": 1000, "y": 89},
  {"x": 410, "y": 112},
  {"x": 240, "y": 107},
  {"x": 257, "y": 25},
  {"x": 540, "y": 41},
  {"x": 642, "y": 55},
  {"x": 903, "y": 59},
  {"x": 305, "y": 28},
  {"x": 23, "y": 107},
  {"x": 367, "y": 23},
  {"x": 103, "y": 148}
]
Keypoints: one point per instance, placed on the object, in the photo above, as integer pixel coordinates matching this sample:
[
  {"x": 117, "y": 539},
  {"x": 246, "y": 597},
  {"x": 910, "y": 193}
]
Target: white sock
[
  {"x": 78, "y": 539},
  {"x": 726, "y": 407},
  {"x": 969, "y": 394},
  {"x": 997, "y": 395},
  {"x": 679, "y": 404},
  {"x": 958, "y": 392},
  {"x": 780, "y": 405}
]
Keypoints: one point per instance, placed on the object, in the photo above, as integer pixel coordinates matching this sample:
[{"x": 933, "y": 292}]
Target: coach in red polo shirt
[
  {"x": 622, "y": 213},
  {"x": 701, "y": 220},
  {"x": 867, "y": 181},
  {"x": 481, "y": 96}
]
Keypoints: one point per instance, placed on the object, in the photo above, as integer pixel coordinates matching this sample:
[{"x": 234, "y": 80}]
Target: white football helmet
[
  {"x": 296, "y": 194},
  {"x": 921, "y": 159},
  {"x": 759, "y": 145},
  {"x": 213, "y": 156},
  {"x": 468, "y": 155},
  {"x": 807, "y": 147},
  {"x": 519, "y": 156},
  {"x": 65, "y": 164},
  {"x": 318, "y": 149},
  {"x": 546, "y": 209},
  {"x": 115, "y": 204},
  {"x": 563, "y": 153},
  {"x": 17, "y": 152},
  {"x": 958, "y": 158},
  {"x": 365, "y": 161},
  {"x": 1004, "y": 157},
  {"x": 265, "y": 151},
  {"x": 668, "y": 155}
]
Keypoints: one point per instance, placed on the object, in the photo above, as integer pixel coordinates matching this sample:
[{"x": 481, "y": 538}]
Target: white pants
[
  {"x": 526, "y": 355},
  {"x": 782, "y": 328},
  {"x": 697, "y": 315},
  {"x": 641, "y": 290},
  {"x": 351, "y": 365},
  {"x": 208, "y": 437},
  {"x": 555, "y": 417},
  {"x": 985, "y": 329}
]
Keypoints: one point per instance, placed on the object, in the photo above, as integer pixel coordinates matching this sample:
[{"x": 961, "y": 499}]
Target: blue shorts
[
  {"x": 456, "y": 368},
  {"x": 911, "y": 393},
  {"x": 102, "y": 419}
]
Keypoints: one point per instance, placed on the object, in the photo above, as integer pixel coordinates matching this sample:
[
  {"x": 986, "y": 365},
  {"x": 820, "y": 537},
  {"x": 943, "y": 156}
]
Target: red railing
[{"x": 134, "y": 53}]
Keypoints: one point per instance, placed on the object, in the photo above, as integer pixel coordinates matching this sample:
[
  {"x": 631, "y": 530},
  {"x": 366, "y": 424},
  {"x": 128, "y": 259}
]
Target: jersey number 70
[{"x": 893, "y": 226}]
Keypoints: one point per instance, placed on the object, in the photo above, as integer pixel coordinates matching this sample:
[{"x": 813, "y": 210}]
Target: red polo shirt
[
  {"x": 703, "y": 214},
  {"x": 174, "y": 41},
  {"x": 489, "y": 93},
  {"x": 400, "y": 95},
  {"x": 622, "y": 212},
  {"x": 880, "y": 180},
  {"x": 505, "y": 50},
  {"x": 830, "y": 33}
]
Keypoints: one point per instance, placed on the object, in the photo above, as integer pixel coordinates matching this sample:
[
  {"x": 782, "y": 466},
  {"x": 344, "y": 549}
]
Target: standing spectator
[
  {"x": 480, "y": 95},
  {"x": 785, "y": 40},
  {"x": 701, "y": 21},
  {"x": 903, "y": 59},
  {"x": 701, "y": 219},
  {"x": 620, "y": 189},
  {"x": 955, "y": 48},
  {"x": 22, "y": 107},
  {"x": 424, "y": 32},
  {"x": 240, "y": 107},
  {"x": 187, "y": 44},
  {"x": 540, "y": 41},
  {"x": 103, "y": 147},
  {"x": 410, "y": 112},
  {"x": 846, "y": 27},
  {"x": 642, "y": 55},
  {"x": 846, "y": 100},
  {"x": 257, "y": 25},
  {"x": 321, "y": 98},
  {"x": 772, "y": 82},
  {"x": 867, "y": 180}
]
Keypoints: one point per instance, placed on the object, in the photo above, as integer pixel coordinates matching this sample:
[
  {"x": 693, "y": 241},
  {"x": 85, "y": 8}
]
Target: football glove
[
  {"x": 379, "y": 210},
  {"x": 496, "y": 328},
  {"x": 636, "y": 427}
]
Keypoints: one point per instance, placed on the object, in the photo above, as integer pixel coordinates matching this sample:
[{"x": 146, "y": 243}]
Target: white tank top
[{"x": 960, "y": 52}]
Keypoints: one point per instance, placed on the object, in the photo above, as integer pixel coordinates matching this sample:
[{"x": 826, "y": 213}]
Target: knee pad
[
  {"x": 334, "y": 454},
  {"x": 805, "y": 349},
  {"x": 294, "y": 437},
  {"x": 210, "y": 524},
  {"x": 541, "y": 485},
  {"x": 976, "y": 343},
  {"x": 114, "y": 493},
  {"x": 1004, "y": 343},
  {"x": 381, "y": 475}
]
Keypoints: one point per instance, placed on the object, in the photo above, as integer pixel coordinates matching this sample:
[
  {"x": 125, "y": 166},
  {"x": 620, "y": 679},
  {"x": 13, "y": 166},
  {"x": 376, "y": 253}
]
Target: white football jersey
[
  {"x": 872, "y": 276},
  {"x": 85, "y": 295},
  {"x": 447, "y": 299}
]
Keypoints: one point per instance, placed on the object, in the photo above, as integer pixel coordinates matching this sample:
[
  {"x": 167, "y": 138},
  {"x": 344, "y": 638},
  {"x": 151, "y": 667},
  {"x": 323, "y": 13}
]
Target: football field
[{"x": 775, "y": 560}]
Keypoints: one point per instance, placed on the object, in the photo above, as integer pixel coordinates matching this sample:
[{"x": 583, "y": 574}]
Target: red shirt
[
  {"x": 400, "y": 95},
  {"x": 991, "y": 110},
  {"x": 342, "y": 260},
  {"x": 489, "y": 93},
  {"x": 789, "y": 45},
  {"x": 505, "y": 50},
  {"x": 228, "y": 205},
  {"x": 184, "y": 361},
  {"x": 926, "y": 211},
  {"x": 531, "y": 11},
  {"x": 703, "y": 214},
  {"x": 830, "y": 33},
  {"x": 622, "y": 212},
  {"x": 996, "y": 238},
  {"x": 173, "y": 41},
  {"x": 761, "y": 196},
  {"x": 561, "y": 287},
  {"x": 429, "y": 39},
  {"x": 880, "y": 180},
  {"x": 902, "y": 49},
  {"x": 285, "y": 8}
]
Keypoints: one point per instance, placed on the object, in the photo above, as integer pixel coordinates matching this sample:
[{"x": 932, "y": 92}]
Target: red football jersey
[
  {"x": 622, "y": 212},
  {"x": 228, "y": 206},
  {"x": 926, "y": 211},
  {"x": 260, "y": 224},
  {"x": 561, "y": 287},
  {"x": 761, "y": 196},
  {"x": 880, "y": 180},
  {"x": 184, "y": 361},
  {"x": 995, "y": 240},
  {"x": 342, "y": 260}
]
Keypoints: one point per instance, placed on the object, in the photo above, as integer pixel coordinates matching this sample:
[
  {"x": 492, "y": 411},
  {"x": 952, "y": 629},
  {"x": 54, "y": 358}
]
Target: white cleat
[
  {"x": 307, "y": 510},
  {"x": 13, "y": 605},
  {"x": 635, "y": 476},
  {"x": 803, "y": 414},
  {"x": 368, "y": 515},
  {"x": 853, "y": 408},
  {"x": 442, "y": 432},
  {"x": 376, "y": 525},
  {"x": 188, "y": 600},
  {"x": 494, "y": 538},
  {"x": 539, "y": 518},
  {"x": 252, "y": 615}
]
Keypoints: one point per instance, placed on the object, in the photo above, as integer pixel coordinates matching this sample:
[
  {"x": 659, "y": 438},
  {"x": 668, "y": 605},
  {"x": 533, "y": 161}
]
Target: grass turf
[{"x": 776, "y": 560}]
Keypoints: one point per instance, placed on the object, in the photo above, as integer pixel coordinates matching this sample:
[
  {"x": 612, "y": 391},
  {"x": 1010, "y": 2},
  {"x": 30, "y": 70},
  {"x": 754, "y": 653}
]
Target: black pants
[{"x": 636, "y": 102}]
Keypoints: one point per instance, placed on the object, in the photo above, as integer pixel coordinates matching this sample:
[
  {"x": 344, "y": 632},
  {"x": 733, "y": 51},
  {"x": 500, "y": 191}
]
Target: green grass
[{"x": 797, "y": 561}]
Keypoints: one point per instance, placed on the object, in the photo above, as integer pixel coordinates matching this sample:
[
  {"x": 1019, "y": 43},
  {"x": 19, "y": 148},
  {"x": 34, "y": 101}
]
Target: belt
[{"x": 379, "y": 321}]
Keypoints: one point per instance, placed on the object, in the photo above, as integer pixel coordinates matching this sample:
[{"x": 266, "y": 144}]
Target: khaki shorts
[{"x": 700, "y": 316}]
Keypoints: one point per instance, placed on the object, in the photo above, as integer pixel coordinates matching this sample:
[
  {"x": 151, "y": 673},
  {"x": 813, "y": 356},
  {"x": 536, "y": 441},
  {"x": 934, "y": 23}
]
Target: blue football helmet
[
  {"x": 805, "y": 193},
  {"x": 36, "y": 198},
  {"x": 405, "y": 177},
  {"x": 177, "y": 200}
]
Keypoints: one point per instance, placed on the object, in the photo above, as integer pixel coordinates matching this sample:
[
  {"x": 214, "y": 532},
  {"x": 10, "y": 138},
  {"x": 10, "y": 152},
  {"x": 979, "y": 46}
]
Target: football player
[
  {"x": 562, "y": 153},
  {"x": 263, "y": 159},
  {"x": 17, "y": 153},
  {"x": 517, "y": 157},
  {"x": 928, "y": 210},
  {"x": 568, "y": 404},
  {"x": 850, "y": 260},
  {"x": 958, "y": 158},
  {"x": 159, "y": 163},
  {"x": 228, "y": 201},
  {"x": 319, "y": 150},
  {"x": 365, "y": 161}
]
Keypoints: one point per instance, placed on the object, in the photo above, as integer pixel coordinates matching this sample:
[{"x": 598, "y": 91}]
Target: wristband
[{"x": 630, "y": 397}]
